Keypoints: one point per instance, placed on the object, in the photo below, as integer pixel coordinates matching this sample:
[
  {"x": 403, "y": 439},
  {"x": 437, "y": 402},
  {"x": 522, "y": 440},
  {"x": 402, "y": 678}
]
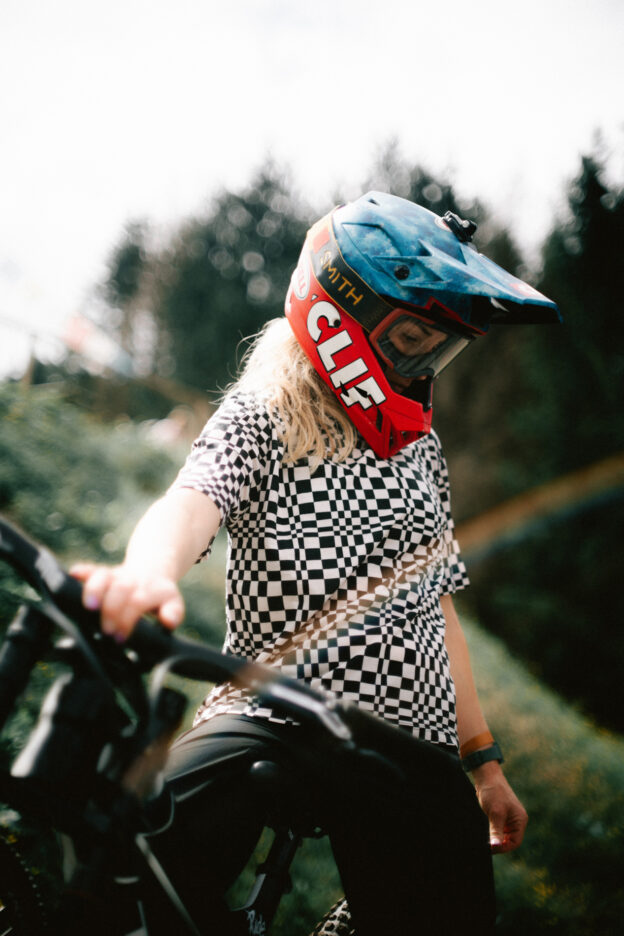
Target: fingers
[
  {"x": 513, "y": 834},
  {"x": 172, "y": 612},
  {"x": 497, "y": 828},
  {"x": 82, "y": 570},
  {"x": 507, "y": 828},
  {"x": 122, "y": 603},
  {"x": 97, "y": 580},
  {"x": 123, "y": 596},
  {"x": 506, "y": 814}
]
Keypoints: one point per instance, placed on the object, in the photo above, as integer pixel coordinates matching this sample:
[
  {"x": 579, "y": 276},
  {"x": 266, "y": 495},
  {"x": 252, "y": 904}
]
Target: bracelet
[
  {"x": 474, "y": 760},
  {"x": 476, "y": 742}
]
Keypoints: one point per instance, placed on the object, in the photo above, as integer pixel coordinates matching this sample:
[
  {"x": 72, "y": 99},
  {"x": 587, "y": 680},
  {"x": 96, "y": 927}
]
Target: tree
[
  {"x": 555, "y": 597},
  {"x": 474, "y": 399},
  {"x": 127, "y": 268},
  {"x": 223, "y": 277},
  {"x": 583, "y": 268}
]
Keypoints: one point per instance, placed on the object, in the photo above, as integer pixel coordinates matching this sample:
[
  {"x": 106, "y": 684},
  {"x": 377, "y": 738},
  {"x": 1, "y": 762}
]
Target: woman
[{"x": 322, "y": 464}]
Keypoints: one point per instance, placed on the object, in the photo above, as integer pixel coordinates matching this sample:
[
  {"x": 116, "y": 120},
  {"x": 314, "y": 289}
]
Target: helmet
[{"x": 386, "y": 293}]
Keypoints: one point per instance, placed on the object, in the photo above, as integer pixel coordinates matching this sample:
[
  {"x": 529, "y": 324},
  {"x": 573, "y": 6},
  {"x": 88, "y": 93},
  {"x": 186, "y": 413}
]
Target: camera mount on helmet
[{"x": 463, "y": 230}]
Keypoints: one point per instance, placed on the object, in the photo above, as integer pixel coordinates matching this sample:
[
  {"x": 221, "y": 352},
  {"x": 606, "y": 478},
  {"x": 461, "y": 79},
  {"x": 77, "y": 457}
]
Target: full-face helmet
[{"x": 386, "y": 293}]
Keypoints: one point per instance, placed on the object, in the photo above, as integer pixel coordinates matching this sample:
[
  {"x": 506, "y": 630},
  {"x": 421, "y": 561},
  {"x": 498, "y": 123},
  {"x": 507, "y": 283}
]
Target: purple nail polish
[{"x": 92, "y": 602}]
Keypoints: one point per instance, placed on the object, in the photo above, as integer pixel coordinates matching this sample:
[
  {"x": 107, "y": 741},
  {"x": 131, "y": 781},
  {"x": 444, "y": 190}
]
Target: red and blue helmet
[{"x": 386, "y": 293}]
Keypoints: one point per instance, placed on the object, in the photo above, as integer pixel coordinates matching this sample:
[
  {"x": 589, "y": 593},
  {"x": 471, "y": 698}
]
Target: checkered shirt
[{"x": 335, "y": 571}]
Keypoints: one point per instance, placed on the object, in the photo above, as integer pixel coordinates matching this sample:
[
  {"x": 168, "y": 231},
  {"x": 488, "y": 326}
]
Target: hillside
[
  {"x": 566, "y": 878},
  {"x": 78, "y": 486}
]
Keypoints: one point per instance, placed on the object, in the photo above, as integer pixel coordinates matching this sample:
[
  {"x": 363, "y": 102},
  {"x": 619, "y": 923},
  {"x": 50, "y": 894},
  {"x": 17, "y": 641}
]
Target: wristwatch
[{"x": 474, "y": 760}]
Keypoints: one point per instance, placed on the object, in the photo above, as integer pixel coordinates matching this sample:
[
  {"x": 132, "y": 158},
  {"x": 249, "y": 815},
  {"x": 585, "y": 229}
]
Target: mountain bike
[{"x": 90, "y": 770}]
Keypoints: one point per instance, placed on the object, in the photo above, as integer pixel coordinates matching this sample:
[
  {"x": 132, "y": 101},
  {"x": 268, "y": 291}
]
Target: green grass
[{"x": 566, "y": 877}]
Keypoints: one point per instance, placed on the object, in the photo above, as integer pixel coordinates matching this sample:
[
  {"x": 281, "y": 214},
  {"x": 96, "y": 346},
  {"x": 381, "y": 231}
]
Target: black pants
[{"x": 412, "y": 861}]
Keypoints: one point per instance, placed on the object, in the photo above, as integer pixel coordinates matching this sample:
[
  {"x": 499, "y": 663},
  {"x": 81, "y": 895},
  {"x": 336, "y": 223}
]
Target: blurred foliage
[
  {"x": 220, "y": 277},
  {"x": 74, "y": 483},
  {"x": 565, "y": 878},
  {"x": 111, "y": 396},
  {"x": 524, "y": 406},
  {"x": 570, "y": 412},
  {"x": 78, "y": 487},
  {"x": 555, "y": 597},
  {"x": 126, "y": 267}
]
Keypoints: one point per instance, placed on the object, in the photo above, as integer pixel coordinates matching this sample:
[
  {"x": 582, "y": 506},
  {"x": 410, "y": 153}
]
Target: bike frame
[{"x": 95, "y": 757}]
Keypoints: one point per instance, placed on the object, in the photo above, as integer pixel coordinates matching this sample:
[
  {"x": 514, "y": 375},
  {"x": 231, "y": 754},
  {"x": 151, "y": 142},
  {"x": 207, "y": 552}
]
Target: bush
[
  {"x": 74, "y": 484},
  {"x": 78, "y": 487},
  {"x": 570, "y": 775}
]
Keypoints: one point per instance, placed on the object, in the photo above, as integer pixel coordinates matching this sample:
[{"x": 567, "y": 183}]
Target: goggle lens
[{"x": 414, "y": 347}]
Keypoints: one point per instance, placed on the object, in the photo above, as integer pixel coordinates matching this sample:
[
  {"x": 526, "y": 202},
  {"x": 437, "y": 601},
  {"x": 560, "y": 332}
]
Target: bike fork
[{"x": 272, "y": 882}]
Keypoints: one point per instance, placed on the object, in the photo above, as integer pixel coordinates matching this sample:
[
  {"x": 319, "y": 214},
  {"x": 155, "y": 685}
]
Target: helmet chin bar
[
  {"x": 421, "y": 391},
  {"x": 340, "y": 352}
]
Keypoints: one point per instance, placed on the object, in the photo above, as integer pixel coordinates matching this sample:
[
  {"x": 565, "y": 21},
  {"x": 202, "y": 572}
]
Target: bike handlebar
[
  {"x": 150, "y": 644},
  {"x": 89, "y": 776},
  {"x": 149, "y": 640}
]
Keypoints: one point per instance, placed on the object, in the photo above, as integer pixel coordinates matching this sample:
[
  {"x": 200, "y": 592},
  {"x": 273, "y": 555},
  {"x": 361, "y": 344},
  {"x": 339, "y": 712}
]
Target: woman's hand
[
  {"x": 165, "y": 543},
  {"x": 507, "y": 816},
  {"x": 123, "y": 594}
]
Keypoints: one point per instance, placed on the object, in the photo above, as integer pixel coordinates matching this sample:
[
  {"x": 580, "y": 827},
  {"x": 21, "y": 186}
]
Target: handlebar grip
[
  {"x": 25, "y": 639},
  {"x": 67, "y": 596},
  {"x": 41, "y": 569},
  {"x": 151, "y": 641}
]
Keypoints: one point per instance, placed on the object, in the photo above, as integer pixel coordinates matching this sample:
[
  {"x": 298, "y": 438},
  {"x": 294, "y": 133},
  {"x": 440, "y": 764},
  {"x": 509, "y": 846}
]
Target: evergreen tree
[
  {"x": 556, "y": 597},
  {"x": 583, "y": 267},
  {"x": 224, "y": 277},
  {"x": 473, "y": 400}
]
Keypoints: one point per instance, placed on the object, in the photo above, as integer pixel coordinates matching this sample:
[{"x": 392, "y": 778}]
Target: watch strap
[{"x": 477, "y": 758}]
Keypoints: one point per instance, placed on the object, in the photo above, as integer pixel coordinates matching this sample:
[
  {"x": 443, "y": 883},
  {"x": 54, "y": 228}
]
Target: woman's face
[{"x": 411, "y": 338}]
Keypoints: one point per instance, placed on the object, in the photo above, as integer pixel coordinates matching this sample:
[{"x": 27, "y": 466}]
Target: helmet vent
[{"x": 373, "y": 202}]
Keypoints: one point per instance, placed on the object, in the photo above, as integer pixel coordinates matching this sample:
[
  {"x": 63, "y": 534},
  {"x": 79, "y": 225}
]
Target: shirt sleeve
[
  {"x": 454, "y": 574},
  {"x": 230, "y": 455}
]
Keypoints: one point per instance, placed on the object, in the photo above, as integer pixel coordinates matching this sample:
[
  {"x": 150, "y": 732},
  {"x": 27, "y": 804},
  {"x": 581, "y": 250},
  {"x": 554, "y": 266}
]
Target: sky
[{"x": 125, "y": 109}]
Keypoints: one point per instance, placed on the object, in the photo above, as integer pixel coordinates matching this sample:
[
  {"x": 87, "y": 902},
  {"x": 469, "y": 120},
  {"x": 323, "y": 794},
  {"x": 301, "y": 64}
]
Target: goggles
[{"x": 415, "y": 347}]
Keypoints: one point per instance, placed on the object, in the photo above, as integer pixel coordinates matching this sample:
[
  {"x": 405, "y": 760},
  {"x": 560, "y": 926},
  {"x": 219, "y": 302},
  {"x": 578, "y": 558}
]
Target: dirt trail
[{"x": 507, "y": 520}]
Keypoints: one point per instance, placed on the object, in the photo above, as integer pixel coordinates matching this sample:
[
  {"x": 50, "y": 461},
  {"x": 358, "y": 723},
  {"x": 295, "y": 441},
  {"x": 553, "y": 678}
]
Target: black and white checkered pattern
[
  {"x": 334, "y": 572},
  {"x": 336, "y": 922}
]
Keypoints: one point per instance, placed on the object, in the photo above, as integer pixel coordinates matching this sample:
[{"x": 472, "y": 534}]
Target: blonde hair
[{"x": 307, "y": 415}]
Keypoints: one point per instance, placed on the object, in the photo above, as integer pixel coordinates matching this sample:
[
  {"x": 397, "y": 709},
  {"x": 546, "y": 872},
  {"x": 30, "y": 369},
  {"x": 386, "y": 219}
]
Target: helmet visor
[{"x": 415, "y": 347}]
